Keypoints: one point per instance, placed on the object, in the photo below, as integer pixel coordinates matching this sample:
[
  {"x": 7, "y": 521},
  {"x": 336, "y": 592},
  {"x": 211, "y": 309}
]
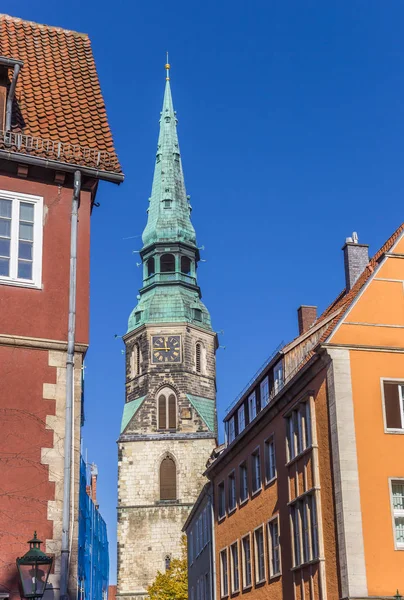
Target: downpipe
[{"x": 67, "y": 482}]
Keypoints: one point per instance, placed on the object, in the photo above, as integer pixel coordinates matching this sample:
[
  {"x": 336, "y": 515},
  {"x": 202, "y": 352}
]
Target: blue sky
[{"x": 291, "y": 131}]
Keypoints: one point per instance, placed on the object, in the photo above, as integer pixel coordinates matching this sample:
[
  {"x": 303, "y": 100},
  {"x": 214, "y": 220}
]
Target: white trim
[
  {"x": 256, "y": 561},
  {"x": 244, "y": 564},
  {"x": 269, "y": 440},
  {"x": 256, "y": 452},
  {"x": 391, "y": 481},
  {"x": 269, "y": 539},
  {"x": 37, "y": 245},
  {"x": 235, "y": 590},
  {"x": 399, "y": 380},
  {"x": 224, "y": 551},
  {"x": 240, "y": 501},
  {"x": 231, "y": 473}
]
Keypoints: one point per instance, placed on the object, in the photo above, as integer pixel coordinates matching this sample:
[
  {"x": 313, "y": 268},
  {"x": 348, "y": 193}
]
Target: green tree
[{"x": 173, "y": 584}]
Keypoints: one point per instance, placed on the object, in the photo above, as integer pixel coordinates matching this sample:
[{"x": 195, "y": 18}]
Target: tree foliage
[{"x": 173, "y": 584}]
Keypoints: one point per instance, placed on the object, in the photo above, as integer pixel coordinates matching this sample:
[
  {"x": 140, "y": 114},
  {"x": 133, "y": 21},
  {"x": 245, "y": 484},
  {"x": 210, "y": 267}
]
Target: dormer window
[
  {"x": 198, "y": 314},
  {"x": 7, "y": 91},
  {"x": 167, "y": 203}
]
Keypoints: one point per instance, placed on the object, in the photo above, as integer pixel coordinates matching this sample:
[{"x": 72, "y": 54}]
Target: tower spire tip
[{"x": 167, "y": 68}]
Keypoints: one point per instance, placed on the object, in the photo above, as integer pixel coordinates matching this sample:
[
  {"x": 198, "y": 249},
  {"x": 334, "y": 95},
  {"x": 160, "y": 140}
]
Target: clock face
[{"x": 166, "y": 349}]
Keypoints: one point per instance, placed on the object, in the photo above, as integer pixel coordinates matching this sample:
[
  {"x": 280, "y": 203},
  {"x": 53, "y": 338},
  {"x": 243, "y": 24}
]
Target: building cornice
[{"x": 42, "y": 343}]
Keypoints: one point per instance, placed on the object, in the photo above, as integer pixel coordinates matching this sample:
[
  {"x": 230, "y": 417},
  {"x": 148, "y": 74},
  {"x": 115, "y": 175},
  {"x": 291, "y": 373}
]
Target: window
[
  {"x": 167, "y": 263},
  {"x": 278, "y": 377},
  {"x": 224, "y": 583},
  {"x": 231, "y": 429},
  {"x": 241, "y": 418},
  {"x": 256, "y": 470},
  {"x": 168, "y": 479},
  {"x": 397, "y": 495},
  {"x": 252, "y": 407},
  {"x": 167, "y": 562},
  {"x": 198, "y": 352},
  {"x": 274, "y": 547},
  {"x": 304, "y": 530},
  {"x": 246, "y": 561},
  {"x": 150, "y": 267},
  {"x": 298, "y": 430},
  {"x": 394, "y": 404},
  {"x": 167, "y": 203},
  {"x": 135, "y": 361},
  {"x": 232, "y": 491},
  {"x": 243, "y": 482},
  {"x": 21, "y": 238},
  {"x": 198, "y": 315},
  {"x": 235, "y": 577},
  {"x": 222, "y": 500},
  {"x": 167, "y": 410},
  {"x": 264, "y": 389},
  {"x": 259, "y": 555},
  {"x": 270, "y": 464},
  {"x": 185, "y": 265}
]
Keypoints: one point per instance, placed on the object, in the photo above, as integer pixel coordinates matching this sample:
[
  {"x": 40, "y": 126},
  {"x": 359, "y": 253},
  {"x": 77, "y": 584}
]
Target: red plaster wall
[
  {"x": 24, "y": 482},
  {"x": 44, "y": 313}
]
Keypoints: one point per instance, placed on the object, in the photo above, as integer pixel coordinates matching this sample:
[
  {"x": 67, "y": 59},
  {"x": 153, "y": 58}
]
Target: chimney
[
  {"x": 94, "y": 475},
  {"x": 356, "y": 258},
  {"x": 306, "y": 315}
]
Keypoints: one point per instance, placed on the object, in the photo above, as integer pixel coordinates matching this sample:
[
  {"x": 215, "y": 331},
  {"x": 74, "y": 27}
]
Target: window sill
[
  {"x": 394, "y": 431},
  {"x": 302, "y": 453},
  {"x": 235, "y": 593},
  {"x": 231, "y": 510},
  {"x": 257, "y": 491},
  {"x": 24, "y": 284},
  {"x": 220, "y": 519},
  {"x": 242, "y": 502},
  {"x": 305, "y": 564},
  {"x": 247, "y": 588},
  {"x": 260, "y": 583},
  {"x": 275, "y": 576},
  {"x": 270, "y": 481}
]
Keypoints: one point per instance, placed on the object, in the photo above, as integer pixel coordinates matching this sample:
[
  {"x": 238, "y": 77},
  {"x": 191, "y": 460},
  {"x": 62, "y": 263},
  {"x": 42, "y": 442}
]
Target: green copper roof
[
  {"x": 169, "y": 209},
  {"x": 205, "y": 408},
  {"x": 129, "y": 411},
  {"x": 170, "y": 304}
]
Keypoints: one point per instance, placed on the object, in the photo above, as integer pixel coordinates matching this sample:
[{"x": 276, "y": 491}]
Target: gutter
[
  {"x": 69, "y": 422},
  {"x": 61, "y": 166}
]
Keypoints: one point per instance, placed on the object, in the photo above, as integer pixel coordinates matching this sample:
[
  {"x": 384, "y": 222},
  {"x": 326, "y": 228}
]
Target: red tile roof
[{"x": 58, "y": 95}]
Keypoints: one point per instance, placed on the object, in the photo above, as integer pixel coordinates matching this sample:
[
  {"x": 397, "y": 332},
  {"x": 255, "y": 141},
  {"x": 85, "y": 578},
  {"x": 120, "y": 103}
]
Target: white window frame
[
  {"x": 252, "y": 401},
  {"x": 232, "y": 429},
  {"x": 395, "y": 512},
  {"x": 223, "y": 592},
  {"x": 221, "y": 486},
  {"x": 244, "y": 464},
  {"x": 256, "y": 555},
  {"x": 270, "y": 459},
  {"x": 231, "y": 481},
  {"x": 246, "y": 586},
  {"x": 400, "y": 383},
  {"x": 256, "y": 452},
  {"x": 272, "y": 573},
  {"x": 234, "y": 589},
  {"x": 264, "y": 385},
  {"x": 299, "y": 433},
  {"x": 241, "y": 411},
  {"x": 278, "y": 381},
  {"x": 37, "y": 201}
]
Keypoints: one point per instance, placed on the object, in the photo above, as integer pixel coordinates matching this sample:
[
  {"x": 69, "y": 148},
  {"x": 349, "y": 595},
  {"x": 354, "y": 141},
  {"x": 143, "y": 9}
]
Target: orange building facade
[{"x": 309, "y": 489}]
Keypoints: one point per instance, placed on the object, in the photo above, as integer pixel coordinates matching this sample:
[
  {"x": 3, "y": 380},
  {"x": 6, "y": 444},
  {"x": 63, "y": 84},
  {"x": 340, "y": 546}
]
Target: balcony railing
[
  {"x": 166, "y": 277},
  {"x": 59, "y": 151}
]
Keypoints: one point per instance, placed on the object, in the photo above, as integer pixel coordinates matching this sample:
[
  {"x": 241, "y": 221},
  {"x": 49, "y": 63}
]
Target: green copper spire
[
  {"x": 169, "y": 209},
  {"x": 170, "y": 293}
]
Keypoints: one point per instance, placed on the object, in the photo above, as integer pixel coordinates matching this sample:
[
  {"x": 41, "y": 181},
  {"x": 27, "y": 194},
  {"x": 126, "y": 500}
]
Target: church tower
[{"x": 169, "y": 425}]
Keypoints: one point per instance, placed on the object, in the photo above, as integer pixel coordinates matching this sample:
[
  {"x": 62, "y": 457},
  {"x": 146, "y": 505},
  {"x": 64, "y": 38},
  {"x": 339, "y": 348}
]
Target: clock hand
[{"x": 166, "y": 349}]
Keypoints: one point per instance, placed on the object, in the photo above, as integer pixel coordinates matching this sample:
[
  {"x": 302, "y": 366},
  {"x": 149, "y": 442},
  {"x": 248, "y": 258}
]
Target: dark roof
[{"x": 58, "y": 96}]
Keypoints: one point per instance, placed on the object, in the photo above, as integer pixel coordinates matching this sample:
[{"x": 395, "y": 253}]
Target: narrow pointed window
[
  {"x": 150, "y": 267},
  {"x": 135, "y": 361},
  {"x": 162, "y": 412},
  {"x": 172, "y": 409},
  {"x": 198, "y": 357},
  {"x": 168, "y": 479},
  {"x": 185, "y": 265},
  {"x": 167, "y": 263}
]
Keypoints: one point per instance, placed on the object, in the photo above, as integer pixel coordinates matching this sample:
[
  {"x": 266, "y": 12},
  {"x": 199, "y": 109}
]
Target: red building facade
[{"x": 53, "y": 124}]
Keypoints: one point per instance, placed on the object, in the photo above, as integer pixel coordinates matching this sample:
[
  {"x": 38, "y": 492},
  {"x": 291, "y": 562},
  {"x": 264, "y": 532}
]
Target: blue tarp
[{"x": 93, "y": 558}]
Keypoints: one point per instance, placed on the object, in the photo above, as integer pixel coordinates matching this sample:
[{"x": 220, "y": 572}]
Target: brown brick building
[{"x": 309, "y": 490}]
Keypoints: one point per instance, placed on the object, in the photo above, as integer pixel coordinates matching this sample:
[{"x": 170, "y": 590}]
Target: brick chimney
[
  {"x": 356, "y": 258},
  {"x": 306, "y": 315}
]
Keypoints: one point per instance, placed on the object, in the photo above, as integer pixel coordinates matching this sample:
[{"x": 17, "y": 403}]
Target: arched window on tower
[
  {"x": 198, "y": 357},
  {"x": 150, "y": 267},
  {"x": 185, "y": 265},
  {"x": 135, "y": 361},
  {"x": 167, "y": 410},
  {"x": 168, "y": 479},
  {"x": 167, "y": 263}
]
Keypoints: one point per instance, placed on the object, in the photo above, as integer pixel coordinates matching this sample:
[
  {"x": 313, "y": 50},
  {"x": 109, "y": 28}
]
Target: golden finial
[{"x": 167, "y": 68}]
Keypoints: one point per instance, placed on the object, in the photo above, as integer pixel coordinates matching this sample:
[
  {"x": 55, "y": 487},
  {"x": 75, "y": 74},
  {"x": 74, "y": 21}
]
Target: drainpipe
[
  {"x": 10, "y": 97},
  {"x": 69, "y": 425}
]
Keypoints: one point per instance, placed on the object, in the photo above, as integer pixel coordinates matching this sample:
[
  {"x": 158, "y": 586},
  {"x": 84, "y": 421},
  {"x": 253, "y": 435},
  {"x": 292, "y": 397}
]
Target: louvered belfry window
[
  {"x": 167, "y": 410},
  {"x": 198, "y": 351},
  {"x": 168, "y": 477}
]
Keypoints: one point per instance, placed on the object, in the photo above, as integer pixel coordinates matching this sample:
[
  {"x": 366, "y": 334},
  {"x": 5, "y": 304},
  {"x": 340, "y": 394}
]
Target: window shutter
[
  {"x": 162, "y": 413},
  {"x": 198, "y": 357},
  {"x": 392, "y": 405},
  {"x": 168, "y": 487},
  {"x": 172, "y": 417}
]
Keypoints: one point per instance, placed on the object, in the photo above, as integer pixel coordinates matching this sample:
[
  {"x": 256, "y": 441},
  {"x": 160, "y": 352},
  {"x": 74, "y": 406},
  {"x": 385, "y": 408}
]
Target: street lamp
[{"x": 33, "y": 569}]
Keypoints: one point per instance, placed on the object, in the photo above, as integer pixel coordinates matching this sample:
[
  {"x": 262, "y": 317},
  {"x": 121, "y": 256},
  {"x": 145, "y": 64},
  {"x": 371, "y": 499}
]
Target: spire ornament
[{"x": 167, "y": 67}]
